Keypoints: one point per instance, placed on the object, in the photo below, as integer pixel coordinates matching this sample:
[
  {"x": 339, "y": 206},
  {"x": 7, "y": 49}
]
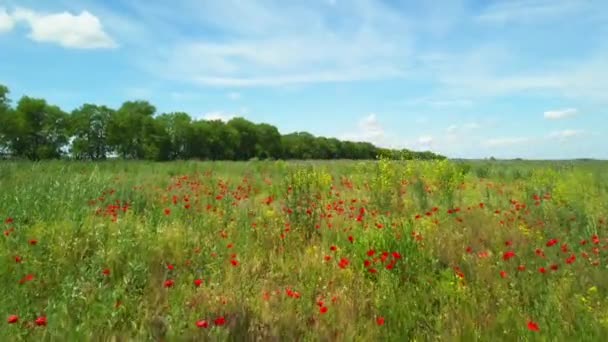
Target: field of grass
[{"x": 330, "y": 251}]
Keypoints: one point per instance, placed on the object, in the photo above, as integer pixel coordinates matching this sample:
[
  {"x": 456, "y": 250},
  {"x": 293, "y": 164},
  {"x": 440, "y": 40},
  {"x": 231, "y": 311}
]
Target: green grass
[{"x": 274, "y": 242}]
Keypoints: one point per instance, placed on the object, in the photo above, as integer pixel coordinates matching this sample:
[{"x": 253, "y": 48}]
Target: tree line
[{"x": 34, "y": 129}]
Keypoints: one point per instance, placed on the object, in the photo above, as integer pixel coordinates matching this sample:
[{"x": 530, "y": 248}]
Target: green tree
[
  {"x": 179, "y": 132},
  {"x": 39, "y": 130},
  {"x": 131, "y": 130},
  {"x": 200, "y": 141},
  {"x": 248, "y": 138},
  {"x": 227, "y": 142},
  {"x": 298, "y": 145},
  {"x": 6, "y": 120},
  {"x": 268, "y": 142},
  {"x": 89, "y": 129}
]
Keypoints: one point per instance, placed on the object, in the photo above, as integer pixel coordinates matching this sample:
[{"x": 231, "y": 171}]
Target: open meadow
[{"x": 330, "y": 251}]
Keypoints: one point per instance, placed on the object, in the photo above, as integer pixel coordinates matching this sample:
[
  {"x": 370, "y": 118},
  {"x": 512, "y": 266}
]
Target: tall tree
[
  {"x": 37, "y": 130},
  {"x": 298, "y": 145},
  {"x": 40, "y": 130},
  {"x": 200, "y": 141},
  {"x": 248, "y": 138},
  {"x": 130, "y": 129},
  {"x": 6, "y": 120},
  {"x": 179, "y": 130},
  {"x": 268, "y": 142},
  {"x": 226, "y": 142},
  {"x": 89, "y": 129}
]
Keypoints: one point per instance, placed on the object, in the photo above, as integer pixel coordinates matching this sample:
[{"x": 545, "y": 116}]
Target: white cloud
[
  {"x": 82, "y": 31},
  {"x": 6, "y": 21},
  {"x": 268, "y": 47},
  {"x": 494, "y": 70},
  {"x": 425, "y": 140},
  {"x": 369, "y": 129},
  {"x": 219, "y": 115},
  {"x": 439, "y": 103},
  {"x": 560, "y": 113},
  {"x": 234, "y": 95},
  {"x": 567, "y": 133},
  {"x": 529, "y": 10},
  {"x": 464, "y": 128},
  {"x": 505, "y": 142}
]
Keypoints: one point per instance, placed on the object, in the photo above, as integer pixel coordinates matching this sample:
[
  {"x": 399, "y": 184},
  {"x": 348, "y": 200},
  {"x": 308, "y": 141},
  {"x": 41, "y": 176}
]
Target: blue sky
[{"x": 465, "y": 78}]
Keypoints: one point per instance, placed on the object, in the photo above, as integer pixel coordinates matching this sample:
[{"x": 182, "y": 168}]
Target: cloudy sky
[{"x": 482, "y": 78}]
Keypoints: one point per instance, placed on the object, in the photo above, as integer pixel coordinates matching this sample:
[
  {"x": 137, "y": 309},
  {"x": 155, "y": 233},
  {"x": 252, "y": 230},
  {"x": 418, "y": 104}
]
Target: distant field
[{"x": 330, "y": 251}]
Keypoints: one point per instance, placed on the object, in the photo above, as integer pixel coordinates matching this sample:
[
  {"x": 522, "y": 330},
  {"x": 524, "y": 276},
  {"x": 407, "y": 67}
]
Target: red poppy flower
[
  {"x": 333, "y": 248},
  {"x": 202, "y": 324},
  {"x": 371, "y": 252},
  {"x": 33, "y": 242},
  {"x": 503, "y": 274},
  {"x": 323, "y": 310},
  {"x": 220, "y": 321},
  {"x": 234, "y": 262},
  {"x": 167, "y": 211},
  {"x": 533, "y": 326},
  {"x": 380, "y": 320},
  {"x": 106, "y": 271},
  {"x": 170, "y": 267},
  {"x": 571, "y": 259},
  {"x": 41, "y": 321},
  {"x": 551, "y": 242},
  {"x": 18, "y": 259},
  {"x": 508, "y": 255},
  {"x": 27, "y": 278},
  {"x": 12, "y": 319},
  {"x": 198, "y": 282},
  {"x": 169, "y": 283}
]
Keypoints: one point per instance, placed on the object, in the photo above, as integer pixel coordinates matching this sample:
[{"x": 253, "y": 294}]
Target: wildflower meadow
[{"x": 317, "y": 251}]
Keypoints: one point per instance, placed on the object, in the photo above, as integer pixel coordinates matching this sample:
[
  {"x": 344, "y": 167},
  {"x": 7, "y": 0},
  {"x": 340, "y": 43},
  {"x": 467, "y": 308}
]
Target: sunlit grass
[{"x": 305, "y": 251}]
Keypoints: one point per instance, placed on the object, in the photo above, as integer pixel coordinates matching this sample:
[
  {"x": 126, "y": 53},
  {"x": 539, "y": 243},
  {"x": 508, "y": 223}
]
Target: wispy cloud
[
  {"x": 560, "y": 113},
  {"x": 6, "y": 21},
  {"x": 220, "y": 115},
  {"x": 463, "y": 128},
  {"x": 503, "y": 142},
  {"x": 425, "y": 141},
  {"x": 567, "y": 133},
  {"x": 266, "y": 45},
  {"x": 370, "y": 129},
  {"x": 529, "y": 10}
]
